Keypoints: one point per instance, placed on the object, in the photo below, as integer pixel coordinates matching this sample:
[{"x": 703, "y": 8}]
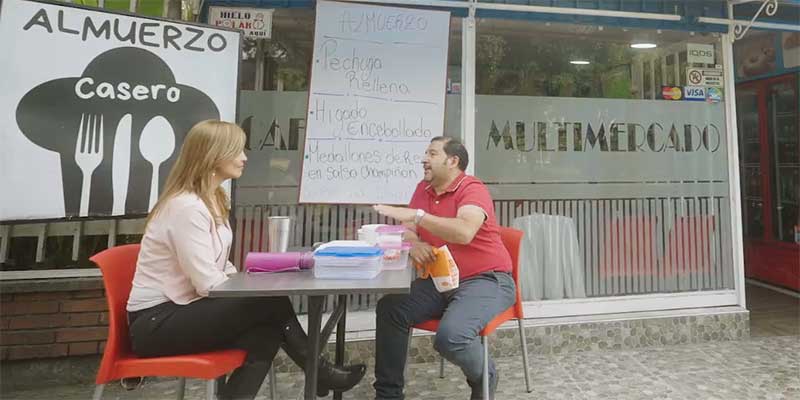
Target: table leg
[
  {"x": 312, "y": 358},
  {"x": 340, "y": 332}
]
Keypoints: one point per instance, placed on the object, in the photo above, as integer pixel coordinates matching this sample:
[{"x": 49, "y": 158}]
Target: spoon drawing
[{"x": 156, "y": 144}]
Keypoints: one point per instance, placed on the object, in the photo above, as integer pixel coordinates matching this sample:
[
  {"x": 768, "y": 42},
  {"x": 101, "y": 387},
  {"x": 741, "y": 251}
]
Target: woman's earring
[{"x": 213, "y": 174}]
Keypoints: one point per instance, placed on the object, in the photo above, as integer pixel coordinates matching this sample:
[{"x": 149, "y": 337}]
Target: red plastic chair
[
  {"x": 511, "y": 239},
  {"x": 118, "y": 265}
]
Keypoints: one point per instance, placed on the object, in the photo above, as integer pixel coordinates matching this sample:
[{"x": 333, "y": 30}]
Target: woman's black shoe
[
  {"x": 340, "y": 379},
  {"x": 329, "y": 376}
]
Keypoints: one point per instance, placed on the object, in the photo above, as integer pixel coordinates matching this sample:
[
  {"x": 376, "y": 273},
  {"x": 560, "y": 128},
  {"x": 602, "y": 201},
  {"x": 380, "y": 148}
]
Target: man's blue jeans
[{"x": 463, "y": 312}]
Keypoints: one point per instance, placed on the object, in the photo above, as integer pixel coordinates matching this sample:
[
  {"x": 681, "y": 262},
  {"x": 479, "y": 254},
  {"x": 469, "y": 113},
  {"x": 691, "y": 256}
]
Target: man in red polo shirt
[{"x": 452, "y": 208}]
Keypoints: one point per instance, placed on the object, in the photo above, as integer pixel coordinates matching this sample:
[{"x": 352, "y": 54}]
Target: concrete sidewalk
[{"x": 760, "y": 368}]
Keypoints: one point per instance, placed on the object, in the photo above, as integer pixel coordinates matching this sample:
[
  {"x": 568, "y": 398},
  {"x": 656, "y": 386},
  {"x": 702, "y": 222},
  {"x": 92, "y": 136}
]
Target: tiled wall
[{"x": 556, "y": 339}]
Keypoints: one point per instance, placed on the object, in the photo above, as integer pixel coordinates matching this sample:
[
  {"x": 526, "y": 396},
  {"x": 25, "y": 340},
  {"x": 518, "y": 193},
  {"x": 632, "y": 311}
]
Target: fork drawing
[{"x": 88, "y": 154}]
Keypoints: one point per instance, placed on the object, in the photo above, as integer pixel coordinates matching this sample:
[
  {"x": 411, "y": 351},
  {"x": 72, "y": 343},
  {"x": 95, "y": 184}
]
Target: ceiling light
[
  {"x": 643, "y": 45},
  {"x": 579, "y": 62}
]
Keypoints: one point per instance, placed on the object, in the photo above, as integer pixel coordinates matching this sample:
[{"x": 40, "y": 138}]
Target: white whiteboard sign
[
  {"x": 376, "y": 99},
  {"x": 95, "y": 106}
]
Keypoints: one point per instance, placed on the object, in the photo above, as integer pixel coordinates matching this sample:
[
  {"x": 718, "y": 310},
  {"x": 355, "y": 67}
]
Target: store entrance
[
  {"x": 769, "y": 145},
  {"x": 769, "y": 163}
]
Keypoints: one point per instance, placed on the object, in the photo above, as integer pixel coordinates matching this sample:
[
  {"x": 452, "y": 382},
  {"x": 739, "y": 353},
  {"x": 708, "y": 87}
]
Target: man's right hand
[{"x": 422, "y": 253}]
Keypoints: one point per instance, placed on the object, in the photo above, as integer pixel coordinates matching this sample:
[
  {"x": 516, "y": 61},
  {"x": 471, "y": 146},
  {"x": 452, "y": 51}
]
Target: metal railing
[{"x": 627, "y": 246}]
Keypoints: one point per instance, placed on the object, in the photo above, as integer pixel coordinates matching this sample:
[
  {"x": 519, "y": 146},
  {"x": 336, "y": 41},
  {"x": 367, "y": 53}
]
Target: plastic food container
[
  {"x": 369, "y": 234},
  {"x": 396, "y": 258},
  {"x": 348, "y": 262},
  {"x": 390, "y": 236}
]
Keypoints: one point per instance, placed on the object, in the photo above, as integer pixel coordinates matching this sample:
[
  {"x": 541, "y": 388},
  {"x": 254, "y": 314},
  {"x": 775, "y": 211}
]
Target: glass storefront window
[
  {"x": 586, "y": 143},
  {"x": 511, "y": 61},
  {"x": 750, "y": 162},
  {"x": 657, "y": 74},
  {"x": 247, "y": 68},
  {"x": 647, "y": 80},
  {"x": 682, "y": 64},
  {"x": 785, "y": 155},
  {"x": 619, "y": 183},
  {"x": 287, "y": 55}
]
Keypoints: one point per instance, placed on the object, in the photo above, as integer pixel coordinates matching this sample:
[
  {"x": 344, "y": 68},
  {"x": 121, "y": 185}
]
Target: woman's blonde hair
[{"x": 208, "y": 144}]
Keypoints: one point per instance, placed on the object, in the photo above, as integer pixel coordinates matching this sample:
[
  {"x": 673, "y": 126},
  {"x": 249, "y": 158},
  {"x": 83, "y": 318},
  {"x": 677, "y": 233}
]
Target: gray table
[{"x": 303, "y": 283}]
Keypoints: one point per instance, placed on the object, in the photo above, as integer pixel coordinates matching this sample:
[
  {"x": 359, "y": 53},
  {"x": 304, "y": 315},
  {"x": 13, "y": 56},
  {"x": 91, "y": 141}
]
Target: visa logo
[{"x": 694, "y": 93}]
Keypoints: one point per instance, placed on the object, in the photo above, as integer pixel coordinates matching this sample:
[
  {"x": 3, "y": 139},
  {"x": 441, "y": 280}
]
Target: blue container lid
[{"x": 349, "y": 251}]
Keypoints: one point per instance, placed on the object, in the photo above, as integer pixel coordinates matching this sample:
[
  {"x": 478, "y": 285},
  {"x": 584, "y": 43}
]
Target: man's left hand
[{"x": 401, "y": 214}]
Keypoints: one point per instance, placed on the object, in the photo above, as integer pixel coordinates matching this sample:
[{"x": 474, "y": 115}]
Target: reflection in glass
[
  {"x": 785, "y": 167},
  {"x": 750, "y": 158}
]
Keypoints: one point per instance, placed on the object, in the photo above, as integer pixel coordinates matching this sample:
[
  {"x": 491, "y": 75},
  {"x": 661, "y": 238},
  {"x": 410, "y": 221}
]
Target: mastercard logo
[{"x": 671, "y": 93}]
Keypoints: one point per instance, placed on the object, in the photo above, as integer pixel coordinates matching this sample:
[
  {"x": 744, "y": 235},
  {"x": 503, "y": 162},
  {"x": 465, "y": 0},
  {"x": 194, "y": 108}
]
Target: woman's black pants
[{"x": 254, "y": 325}]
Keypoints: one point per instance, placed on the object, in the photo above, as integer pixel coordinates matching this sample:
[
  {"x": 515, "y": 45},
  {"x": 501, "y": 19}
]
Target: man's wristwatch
[{"x": 418, "y": 217}]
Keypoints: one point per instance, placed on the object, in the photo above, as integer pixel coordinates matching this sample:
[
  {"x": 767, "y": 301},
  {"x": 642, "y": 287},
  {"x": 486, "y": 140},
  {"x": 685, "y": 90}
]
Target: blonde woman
[{"x": 184, "y": 253}]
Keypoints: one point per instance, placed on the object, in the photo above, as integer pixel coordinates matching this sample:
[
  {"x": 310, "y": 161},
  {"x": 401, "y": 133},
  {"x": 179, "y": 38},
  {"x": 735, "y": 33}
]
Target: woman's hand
[{"x": 401, "y": 214}]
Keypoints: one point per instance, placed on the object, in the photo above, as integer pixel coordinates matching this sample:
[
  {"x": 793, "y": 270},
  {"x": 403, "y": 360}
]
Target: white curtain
[{"x": 551, "y": 262}]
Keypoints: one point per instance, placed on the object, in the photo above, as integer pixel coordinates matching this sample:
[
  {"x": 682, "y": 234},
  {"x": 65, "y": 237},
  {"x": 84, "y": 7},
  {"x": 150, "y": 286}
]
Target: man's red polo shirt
[{"x": 486, "y": 252}]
